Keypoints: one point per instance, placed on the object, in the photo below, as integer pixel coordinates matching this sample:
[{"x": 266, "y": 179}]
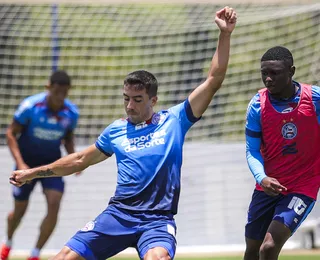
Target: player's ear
[
  {"x": 48, "y": 86},
  {"x": 154, "y": 100},
  {"x": 292, "y": 71}
]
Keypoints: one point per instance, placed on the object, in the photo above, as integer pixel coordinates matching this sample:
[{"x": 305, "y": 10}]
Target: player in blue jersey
[
  {"x": 148, "y": 151},
  {"x": 282, "y": 138},
  {"x": 41, "y": 123}
]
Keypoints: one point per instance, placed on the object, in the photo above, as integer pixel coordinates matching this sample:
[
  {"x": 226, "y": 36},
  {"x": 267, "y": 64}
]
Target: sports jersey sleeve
[
  {"x": 23, "y": 113},
  {"x": 253, "y": 140},
  {"x": 184, "y": 112},
  {"x": 103, "y": 142},
  {"x": 254, "y": 158},
  {"x": 316, "y": 100}
]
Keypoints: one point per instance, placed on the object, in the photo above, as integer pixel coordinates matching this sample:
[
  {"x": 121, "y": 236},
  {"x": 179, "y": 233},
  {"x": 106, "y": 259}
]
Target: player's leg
[
  {"x": 53, "y": 190},
  {"x": 21, "y": 200},
  {"x": 158, "y": 240},
  {"x": 48, "y": 224},
  {"x": 252, "y": 249},
  {"x": 260, "y": 214},
  {"x": 106, "y": 236},
  {"x": 67, "y": 254},
  {"x": 157, "y": 253},
  {"x": 290, "y": 212},
  {"x": 274, "y": 240},
  {"x": 15, "y": 216}
]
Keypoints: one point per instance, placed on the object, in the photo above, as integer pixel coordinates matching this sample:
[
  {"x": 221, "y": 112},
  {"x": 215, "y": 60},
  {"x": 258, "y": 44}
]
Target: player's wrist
[
  {"x": 225, "y": 33},
  {"x": 260, "y": 179}
]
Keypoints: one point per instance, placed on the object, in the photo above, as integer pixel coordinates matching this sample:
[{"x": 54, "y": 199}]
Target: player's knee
[
  {"x": 66, "y": 254},
  {"x": 157, "y": 253},
  {"x": 268, "y": 248},
  {"x": 20, "y": 208},
  {"x": 17, "y": 214},
  {"x": 53, "y": 205},
  {"x": 54, "y": 202}
]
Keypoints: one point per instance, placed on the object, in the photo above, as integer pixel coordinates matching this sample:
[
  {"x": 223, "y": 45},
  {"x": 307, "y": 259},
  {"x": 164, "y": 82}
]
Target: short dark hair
[
  {"x": 143, "y": 79},
  {"x": 278, "y": 53},
  {"x": 61, "y": 78}
]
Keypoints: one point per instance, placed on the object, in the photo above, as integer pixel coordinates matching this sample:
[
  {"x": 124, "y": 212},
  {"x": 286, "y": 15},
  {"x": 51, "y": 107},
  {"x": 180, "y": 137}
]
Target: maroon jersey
[{"x": 291, "y": 144}]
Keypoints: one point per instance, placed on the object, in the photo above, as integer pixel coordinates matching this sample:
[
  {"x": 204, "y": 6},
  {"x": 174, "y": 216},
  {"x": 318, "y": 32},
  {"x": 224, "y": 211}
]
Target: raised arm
[
  {"x": 201, "y": 97},
  {"x": 67, "y": 165}
]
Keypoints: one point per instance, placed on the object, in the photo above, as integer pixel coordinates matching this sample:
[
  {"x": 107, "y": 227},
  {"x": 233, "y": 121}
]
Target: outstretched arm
[
  {"x": 201, "y": 97},
  {"x": 67, "y": 165}
]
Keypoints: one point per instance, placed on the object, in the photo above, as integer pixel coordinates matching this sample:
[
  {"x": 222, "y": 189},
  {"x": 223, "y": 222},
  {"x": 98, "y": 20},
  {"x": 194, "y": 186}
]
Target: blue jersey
[
  {"x": 43, "y": 129},
  {"x": 149, "y": 159},
  {"x": 254, "y": 129}
]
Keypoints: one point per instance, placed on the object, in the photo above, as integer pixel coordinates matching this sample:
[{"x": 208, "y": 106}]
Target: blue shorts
[
  {"x": 23, "y": 192},
  {"x": 114, "y": 230},
  {"x": 291, "y": 210}
]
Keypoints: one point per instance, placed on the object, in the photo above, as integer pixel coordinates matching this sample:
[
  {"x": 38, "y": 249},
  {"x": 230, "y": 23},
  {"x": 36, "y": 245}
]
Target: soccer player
[
  {"x": 148, "y": 150},
  {"x": 283, "y": 154},
  {"x": 41, "y": 123}
]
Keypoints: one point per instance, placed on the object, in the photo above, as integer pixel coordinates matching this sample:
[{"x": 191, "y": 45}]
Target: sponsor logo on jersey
[
  {"x": 140, "y": 125},
  {"x": 287, "y": 110},
  {"x": 144, "y": 141},
  {"x": 46, "y": 134},
  {"x": 289, "y": 131}
]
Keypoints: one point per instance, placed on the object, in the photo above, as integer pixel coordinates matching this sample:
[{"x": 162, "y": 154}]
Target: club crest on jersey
[
  {"x": 157, "y": 119},
  {"x": 65, "y": 122},
  {"x": 289, "y": 131},
  {"x": 89, "y": 226}
]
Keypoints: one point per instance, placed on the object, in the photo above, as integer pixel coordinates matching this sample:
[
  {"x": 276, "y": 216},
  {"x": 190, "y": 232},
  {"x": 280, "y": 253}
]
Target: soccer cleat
[
  {"x": 5, "y": 250},
  {"x": 33, "y": 258}
]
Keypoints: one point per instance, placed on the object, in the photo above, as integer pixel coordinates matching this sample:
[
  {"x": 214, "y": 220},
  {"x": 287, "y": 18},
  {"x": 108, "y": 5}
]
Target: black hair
[
  {"x": 278, "y": 53},
  {"x": 143, "y": 79},
  {"x": 61, "y": 78}
]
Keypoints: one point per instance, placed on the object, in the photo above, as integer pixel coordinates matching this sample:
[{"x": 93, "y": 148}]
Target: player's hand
[
  {"x": 226, "y": 19},
  {"x": 19, "y": 178},
  {"x": 271, "y": 186}
]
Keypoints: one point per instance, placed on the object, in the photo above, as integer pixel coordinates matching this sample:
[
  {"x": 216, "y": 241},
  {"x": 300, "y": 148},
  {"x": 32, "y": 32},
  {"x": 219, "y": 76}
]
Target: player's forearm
[
  {"x": 69, "y": 146},
  {"x": 220, "y": 61},
  {"x": 14, "y": 148},
  {"x": 201, "y": 97},
  {"x": 65, "y": 166},
  {"x": 254, "y": 158}
]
